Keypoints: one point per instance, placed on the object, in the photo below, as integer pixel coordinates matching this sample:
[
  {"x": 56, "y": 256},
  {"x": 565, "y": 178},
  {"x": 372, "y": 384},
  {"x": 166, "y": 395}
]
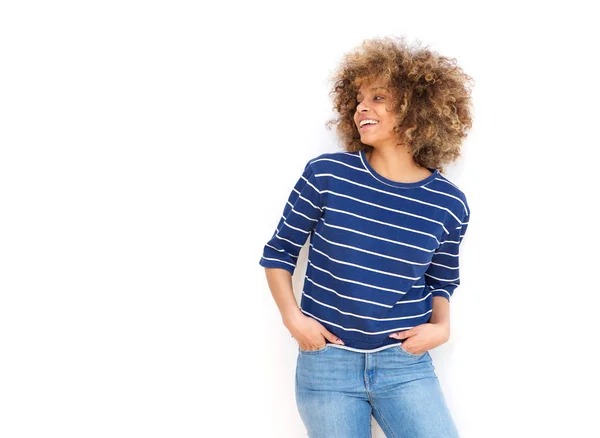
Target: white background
[{"x": 148, "y": 148}]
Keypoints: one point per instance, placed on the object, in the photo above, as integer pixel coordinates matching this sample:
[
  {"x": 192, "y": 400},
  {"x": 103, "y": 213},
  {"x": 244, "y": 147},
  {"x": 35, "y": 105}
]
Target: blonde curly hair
[{"x": 431, "y": 98}]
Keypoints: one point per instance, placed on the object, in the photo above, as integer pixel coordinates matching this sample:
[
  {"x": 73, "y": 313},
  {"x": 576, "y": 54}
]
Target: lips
[{"x": 367, "y": 126}]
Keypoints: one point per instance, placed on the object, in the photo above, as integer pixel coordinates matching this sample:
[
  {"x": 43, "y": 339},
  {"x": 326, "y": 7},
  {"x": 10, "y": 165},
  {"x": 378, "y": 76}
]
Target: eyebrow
[{"x": 375, "y": 89}]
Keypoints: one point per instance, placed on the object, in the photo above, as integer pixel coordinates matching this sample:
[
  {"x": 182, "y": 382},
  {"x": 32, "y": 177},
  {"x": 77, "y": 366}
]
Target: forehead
[{"x": 372, "y": 87}]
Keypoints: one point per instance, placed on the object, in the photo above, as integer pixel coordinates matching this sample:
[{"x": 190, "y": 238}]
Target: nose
[{"x": 361, "y": 107}]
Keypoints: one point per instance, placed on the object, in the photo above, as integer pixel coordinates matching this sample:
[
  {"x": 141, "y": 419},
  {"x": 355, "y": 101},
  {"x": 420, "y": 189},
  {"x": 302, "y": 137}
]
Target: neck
[{"x": 396, "y": 163}]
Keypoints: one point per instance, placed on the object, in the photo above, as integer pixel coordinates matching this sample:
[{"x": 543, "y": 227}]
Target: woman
[{"x": 385, "y": 227}]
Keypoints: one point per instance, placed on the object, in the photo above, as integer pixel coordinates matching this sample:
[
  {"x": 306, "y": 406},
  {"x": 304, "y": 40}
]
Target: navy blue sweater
[{"x": 380, "y": 250}]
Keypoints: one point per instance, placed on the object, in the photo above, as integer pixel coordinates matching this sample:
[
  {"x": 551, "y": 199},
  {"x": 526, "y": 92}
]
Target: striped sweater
[{"x": 380, "y": 250}]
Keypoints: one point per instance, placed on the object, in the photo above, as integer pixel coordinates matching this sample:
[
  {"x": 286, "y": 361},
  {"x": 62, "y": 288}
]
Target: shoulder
[
  {"x": 454, "y": 196},
  {"x": 328, "y": 161},
  {"x": 334, "y": 165}
]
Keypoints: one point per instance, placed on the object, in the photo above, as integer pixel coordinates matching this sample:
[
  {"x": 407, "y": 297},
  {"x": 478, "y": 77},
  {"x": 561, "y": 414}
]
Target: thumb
[
  {"x": 401, "y": 335},
  {"x": 332, "y": 338}
]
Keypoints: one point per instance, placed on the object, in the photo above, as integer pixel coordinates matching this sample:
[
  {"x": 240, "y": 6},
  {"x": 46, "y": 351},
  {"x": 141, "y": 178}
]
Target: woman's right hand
[{"x": 310, "y": 333}]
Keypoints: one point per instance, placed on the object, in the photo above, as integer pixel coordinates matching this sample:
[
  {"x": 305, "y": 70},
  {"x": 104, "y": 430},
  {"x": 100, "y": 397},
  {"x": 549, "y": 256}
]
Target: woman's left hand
[{"x": 423, "y": 337}]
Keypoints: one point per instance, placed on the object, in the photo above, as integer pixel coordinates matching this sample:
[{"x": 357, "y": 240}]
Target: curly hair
[{"x": 431, "y": 98}]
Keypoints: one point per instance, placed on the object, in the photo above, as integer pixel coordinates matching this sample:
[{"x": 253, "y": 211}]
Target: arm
[
  {"x": 442, "y": 275},
  {"x": 280, "y": 284},
  {"x": 442, "y": 278},
  {"x": 280, "y": 254},
  {"x": 308, "y": 332},
  {"x": 300, "y": 216},
  {"x": 441, "y": 312}
]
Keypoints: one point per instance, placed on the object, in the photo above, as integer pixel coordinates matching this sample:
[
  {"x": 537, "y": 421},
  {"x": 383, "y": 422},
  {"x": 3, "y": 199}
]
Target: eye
[{"x": 374, "y": 98}]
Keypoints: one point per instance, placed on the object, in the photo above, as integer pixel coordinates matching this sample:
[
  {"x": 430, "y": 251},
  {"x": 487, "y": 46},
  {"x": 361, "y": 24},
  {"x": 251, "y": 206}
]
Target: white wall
[{"x": 147, "y": 150}]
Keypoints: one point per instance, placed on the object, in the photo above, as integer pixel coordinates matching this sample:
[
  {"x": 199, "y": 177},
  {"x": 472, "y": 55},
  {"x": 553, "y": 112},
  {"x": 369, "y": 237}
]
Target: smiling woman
[
  {"x": 426, "y": 96},
  {"x": 385, "y": 227},
  {"x": 377, "y": 123}
]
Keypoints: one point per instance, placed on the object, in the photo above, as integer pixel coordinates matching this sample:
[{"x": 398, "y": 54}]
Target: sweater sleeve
[
  {"x": 300, "y": 216},
  {"x": 442, "y": 276}
]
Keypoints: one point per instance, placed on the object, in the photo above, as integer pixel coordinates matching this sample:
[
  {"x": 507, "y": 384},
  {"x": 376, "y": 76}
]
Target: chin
[{"x": 368, "y": 143}]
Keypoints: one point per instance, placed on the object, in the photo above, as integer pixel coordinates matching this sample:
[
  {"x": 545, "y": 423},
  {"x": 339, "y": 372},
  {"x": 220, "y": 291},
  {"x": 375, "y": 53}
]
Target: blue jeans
[{"x": 338, "y": 390}]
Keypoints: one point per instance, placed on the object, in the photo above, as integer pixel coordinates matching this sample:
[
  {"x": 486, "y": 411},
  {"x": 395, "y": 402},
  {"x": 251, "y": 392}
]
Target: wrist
[
  {"x": 291, "y": 317},
  {"x": 444, "y": 327}
]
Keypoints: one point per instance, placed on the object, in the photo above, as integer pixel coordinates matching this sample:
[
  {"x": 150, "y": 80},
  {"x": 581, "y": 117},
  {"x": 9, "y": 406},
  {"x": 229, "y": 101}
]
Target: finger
[
  {"x": 332, "y": 338},
  {"x": 402, "y": 335},
  {"x": 409, "y": 349}
]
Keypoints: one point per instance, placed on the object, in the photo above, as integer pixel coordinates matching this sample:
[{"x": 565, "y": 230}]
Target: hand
[
  {"x": 423, "y": 337},
  {"x": 310, "y": 333}
]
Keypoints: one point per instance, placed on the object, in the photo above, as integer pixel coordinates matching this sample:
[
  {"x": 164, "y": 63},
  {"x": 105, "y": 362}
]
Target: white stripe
[
  {"x": 342, "y": 163},
  {"x": 363, "y": 267},
  {"x": 352, "y": 154},
  {"x": 307, "y": 200},
  {"x": 367, "y": 301},
  {"x": 356, "y": 282},
  {"x": 277, "y": 260},
  {"x": 444, "y": 266},
  {"x": 446, "y": 253},
  {"x": 363, "y": 316},
  {"x": 384, "y": 223},
  {"x": 294, "y": 228},
  {"x": 449, "y": 195},
  {"x": 414, "y": 301},
  {"x": 397, "y": 329},
  {"x": 449, "y": 284},
  {"x": 283, "y": 238},
  {"x": 387, "y": 208},
  {"x": 448, "y": 182},
  {"x": 358, "y": 350},
  {"x": 397, "y": 242},
  {"x": 442, "y": 279},
  {"x": 282, "y": 250},
  {"x": 442, "y": 290},
  {"x": 310, "y": 184},
  {"x": 301, "y": 214},
  {"x": 391, "y": 194},
  {"x": 346, "y": 296}
]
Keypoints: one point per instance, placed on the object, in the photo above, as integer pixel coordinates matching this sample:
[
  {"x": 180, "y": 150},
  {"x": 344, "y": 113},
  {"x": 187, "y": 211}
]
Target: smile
[{"x": 367, "y": 123}]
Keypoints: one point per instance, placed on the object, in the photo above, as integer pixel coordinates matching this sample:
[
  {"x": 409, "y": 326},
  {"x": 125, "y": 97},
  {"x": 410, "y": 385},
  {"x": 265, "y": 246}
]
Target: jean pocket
[
  {"x": 320, "y": 350},
  {"x": 408, "y": 353}
]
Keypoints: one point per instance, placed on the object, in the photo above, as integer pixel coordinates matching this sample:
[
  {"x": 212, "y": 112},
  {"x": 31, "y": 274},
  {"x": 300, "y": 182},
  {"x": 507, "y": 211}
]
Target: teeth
[{"x": 368, "y": 121}]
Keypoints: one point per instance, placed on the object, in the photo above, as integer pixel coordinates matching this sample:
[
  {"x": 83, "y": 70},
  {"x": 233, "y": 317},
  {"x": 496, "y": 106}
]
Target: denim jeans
[{"x": 338, "y": 390}]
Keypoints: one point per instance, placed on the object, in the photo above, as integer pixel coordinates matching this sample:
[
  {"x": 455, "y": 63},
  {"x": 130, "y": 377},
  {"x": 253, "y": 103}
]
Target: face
[{"x": 374, "y": 100}]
